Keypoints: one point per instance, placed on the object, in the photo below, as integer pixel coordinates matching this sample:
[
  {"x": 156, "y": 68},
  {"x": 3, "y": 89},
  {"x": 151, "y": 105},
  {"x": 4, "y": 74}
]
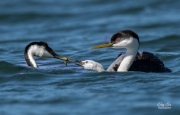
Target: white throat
[{"x": 132, "y": 49}]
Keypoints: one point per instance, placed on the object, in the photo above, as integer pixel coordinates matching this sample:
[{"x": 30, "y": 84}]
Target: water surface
[{"x": 71, "y": 28}]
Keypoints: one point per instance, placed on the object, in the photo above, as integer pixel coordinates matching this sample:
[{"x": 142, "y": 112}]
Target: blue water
[{"x": 71, "y": 28}]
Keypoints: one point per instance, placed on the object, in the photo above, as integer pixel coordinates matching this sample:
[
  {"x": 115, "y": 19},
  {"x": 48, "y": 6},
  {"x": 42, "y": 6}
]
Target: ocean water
[{"x": 71, "y": 28}]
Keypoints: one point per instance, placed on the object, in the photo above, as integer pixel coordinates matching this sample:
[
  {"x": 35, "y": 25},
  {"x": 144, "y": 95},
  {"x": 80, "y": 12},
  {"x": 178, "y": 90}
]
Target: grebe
[
  {"x": 132, "y": 60},
  {"x": 40, "y": 49}
]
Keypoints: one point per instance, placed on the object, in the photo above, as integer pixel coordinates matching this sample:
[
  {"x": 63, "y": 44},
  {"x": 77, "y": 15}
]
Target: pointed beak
[
  {"x": 66, "y": 60},
  {"x": 102, "y": 45},
  {"x": 79, "y": 63}
]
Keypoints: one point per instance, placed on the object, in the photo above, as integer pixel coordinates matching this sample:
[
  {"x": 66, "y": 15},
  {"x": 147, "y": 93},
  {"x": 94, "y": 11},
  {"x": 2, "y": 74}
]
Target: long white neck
[
  {"x": 129, "y": 57},
  {"x": 33, "y": 51},
  {"x": 31, "y": 60},
  {"x": 36, "y": 51}
]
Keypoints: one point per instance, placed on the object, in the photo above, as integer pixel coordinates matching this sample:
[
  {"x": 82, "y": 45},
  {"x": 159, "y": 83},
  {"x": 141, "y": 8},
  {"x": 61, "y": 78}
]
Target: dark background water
[{"x": 71, "y": 28}]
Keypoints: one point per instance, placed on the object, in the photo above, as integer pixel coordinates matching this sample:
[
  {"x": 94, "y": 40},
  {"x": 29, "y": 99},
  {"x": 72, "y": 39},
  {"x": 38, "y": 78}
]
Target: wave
[{"x": 29, "y": 16}]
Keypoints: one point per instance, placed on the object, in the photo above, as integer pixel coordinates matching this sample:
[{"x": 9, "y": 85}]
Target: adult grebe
[
  {"x": 40, "y": 49},
  {"x": 132, "y": 60}
]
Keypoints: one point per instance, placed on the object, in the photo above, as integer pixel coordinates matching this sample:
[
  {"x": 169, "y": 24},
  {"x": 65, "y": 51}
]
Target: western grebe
[
  {"x": 132, "y": 60},
  {"x": 40, "y": 49}
]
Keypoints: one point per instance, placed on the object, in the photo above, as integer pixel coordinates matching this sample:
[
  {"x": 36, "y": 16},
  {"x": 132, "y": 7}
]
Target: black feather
[{"x": 146, "y": 62}]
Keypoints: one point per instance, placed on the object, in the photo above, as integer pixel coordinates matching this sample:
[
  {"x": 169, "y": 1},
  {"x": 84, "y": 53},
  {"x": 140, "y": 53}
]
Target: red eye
[{"x": 117, "y": 40}]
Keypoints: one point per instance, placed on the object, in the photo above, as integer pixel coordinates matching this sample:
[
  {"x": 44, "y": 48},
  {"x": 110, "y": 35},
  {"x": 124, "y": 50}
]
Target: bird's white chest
[
  {"x": 128, "y": 60},
  {"x": 126, "y": 64}
]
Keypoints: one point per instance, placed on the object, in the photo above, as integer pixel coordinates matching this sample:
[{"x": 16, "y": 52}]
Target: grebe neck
[{"x": 129, "y": 57}]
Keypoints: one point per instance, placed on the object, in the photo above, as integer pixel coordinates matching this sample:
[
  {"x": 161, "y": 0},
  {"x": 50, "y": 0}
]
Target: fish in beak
[{"x": 65, "y": 59}]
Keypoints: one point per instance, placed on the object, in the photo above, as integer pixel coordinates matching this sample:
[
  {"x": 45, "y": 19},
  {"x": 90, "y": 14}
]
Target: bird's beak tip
[{"x": 79, "y": 63}]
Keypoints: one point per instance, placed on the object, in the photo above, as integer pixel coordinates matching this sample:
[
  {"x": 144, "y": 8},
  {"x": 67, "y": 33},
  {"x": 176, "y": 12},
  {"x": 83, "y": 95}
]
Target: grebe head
[
  {"x": 40, "y": 49},
  {"x": 123, "y": 39},
  {"x": 91, "y": 65}
]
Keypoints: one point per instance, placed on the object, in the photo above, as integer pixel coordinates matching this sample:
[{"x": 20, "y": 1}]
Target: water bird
[
  {"x": 132, "y": 60},
  {"x": 40, "y": 49}
]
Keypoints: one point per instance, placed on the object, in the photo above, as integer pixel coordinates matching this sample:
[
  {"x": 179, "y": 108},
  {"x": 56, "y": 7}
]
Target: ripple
[{"x": 71, "y": 28}]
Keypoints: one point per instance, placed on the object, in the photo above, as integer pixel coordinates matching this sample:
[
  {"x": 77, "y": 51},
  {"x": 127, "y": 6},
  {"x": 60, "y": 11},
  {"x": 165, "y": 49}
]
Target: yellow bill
[{"x": 102, "y": 46}]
